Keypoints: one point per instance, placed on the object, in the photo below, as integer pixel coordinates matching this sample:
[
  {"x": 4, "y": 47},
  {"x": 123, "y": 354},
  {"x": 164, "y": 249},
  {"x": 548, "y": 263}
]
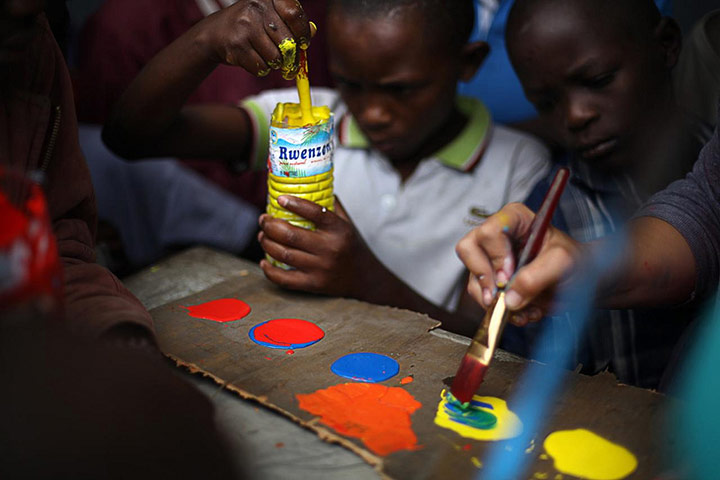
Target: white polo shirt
[{"x": 413, "y": 227}]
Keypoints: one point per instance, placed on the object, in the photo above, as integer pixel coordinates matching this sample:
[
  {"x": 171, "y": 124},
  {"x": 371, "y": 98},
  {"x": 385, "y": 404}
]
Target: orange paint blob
[
  {"x": 220, "y": 310},
  {"x": 406, "y": 380},
  {"x": 374, "y": 413}
]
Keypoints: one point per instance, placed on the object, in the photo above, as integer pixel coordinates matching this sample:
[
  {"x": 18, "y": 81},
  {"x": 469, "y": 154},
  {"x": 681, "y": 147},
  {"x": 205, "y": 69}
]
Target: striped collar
[
  {"x": 463, "y": 153},
  {"x": 208, "y": 7}
]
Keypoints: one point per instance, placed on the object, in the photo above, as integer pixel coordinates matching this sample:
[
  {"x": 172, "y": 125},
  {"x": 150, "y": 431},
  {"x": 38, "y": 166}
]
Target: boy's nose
[
  {"x": 375, "y": 115},
  {"x": 578, "y": 114}
]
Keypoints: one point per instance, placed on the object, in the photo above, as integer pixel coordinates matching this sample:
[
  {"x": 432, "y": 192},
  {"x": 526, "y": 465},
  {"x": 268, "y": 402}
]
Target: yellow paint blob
[
  {"x": 476, "y": 462},
  {"x": 585, "y": 454},
  {"x": 289, "y": 115},
  {"x": 508, "y": 424}
]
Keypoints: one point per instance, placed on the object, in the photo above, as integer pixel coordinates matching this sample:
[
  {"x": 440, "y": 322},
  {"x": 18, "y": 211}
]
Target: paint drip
[
  {"x": 483, "y": 418},
  {"x": 584, "y": 454},
  {"x": 376, "y": 414},
  {"x": 220, "y": 310},
  {"x": 365, "y": 367},
  {"x": 286, "y": 333}
]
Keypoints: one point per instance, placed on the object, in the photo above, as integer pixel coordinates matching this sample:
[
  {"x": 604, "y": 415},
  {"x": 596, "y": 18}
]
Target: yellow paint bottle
[{"x": 300, "y": 160}]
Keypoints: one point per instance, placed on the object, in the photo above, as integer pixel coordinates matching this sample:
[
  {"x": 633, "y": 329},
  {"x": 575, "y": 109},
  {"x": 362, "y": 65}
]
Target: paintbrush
[{"x": 482, "y": 348}]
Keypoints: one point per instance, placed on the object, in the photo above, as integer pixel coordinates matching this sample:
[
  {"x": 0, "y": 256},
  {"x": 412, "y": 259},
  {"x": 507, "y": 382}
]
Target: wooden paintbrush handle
[{"x": 542, "y": 218}]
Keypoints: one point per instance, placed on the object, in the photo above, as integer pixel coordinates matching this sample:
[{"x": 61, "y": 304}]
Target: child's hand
[
  {"x": 332, "y": 260},
  {"x": 488, "y": 254},
  {"x": 258, "y": 35}
]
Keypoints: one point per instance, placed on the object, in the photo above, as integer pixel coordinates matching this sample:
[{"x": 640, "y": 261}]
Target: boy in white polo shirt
[{"x": 415, "y": 166}]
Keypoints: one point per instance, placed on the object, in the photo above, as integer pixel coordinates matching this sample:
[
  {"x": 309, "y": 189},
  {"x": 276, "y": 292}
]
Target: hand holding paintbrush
[{"x": 479, "y": 355}]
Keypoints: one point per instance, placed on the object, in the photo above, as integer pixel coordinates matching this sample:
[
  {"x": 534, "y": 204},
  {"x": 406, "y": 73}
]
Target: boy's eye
[
  {"x": 346, "y": 84},
  {"x": 400, "y": 90},
  {"x": 600, "y": 81}
]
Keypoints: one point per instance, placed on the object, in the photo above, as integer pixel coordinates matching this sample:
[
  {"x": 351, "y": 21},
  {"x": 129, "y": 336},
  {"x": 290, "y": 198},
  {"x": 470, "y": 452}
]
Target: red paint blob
[
  {"x": 406, "y": 380},
  {"x": 466, "y": 447},
  {"x": 374, "y": 413},
  {"x": 290, "y": 352},
  {"x": 221, "y": 310},
  {"x": 292, "y": 333}
]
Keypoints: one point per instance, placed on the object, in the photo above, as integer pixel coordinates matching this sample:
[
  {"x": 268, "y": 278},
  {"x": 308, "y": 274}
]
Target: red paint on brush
[
  {"x": 468, "y": 378},
  {"x": 221, "y": 310}
]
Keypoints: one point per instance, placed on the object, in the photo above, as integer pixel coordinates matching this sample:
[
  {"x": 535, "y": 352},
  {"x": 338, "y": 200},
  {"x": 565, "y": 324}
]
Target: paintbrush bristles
[
  {"x": 480, "y": 352},
  {"x": 468, "y": 378}
]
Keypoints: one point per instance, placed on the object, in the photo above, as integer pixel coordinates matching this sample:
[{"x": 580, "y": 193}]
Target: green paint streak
[{"x": 469, "y": 414}]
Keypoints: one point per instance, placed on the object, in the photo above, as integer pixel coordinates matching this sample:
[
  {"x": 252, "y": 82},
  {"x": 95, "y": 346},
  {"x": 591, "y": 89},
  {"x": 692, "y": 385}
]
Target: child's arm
[
  {"x": 150, "y": 120},
  {"x": 334, "y": 260},
  {"x": 656, "y": 267}
]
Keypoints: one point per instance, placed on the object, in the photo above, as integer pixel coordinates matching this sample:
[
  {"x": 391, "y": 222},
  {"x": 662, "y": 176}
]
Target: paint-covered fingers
[
  {"x": 538, "y": 281},
  {"x": 297, "y": 35},
  {"x": 254, "y": 35}
]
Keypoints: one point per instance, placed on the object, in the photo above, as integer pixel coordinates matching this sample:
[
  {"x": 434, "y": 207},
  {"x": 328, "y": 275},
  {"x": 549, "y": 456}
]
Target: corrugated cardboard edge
[{"x": 323, "y": 433}]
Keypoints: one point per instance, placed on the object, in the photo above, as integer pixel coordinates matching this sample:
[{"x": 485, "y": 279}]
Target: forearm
[
  {"x": 149, "y": 119},
  {"x": 656, "y": 268}
]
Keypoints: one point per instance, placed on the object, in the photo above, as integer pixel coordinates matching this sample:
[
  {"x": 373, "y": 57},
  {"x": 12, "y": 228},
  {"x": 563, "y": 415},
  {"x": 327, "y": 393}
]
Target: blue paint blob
[{"x": 365, "y": 367}]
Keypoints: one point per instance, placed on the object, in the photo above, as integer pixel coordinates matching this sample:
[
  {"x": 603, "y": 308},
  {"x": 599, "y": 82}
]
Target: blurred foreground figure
[{"x": 85, "y": 392}]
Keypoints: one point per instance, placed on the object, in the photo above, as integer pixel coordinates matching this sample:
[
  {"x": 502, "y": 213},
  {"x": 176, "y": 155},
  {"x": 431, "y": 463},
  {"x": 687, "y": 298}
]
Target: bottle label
[{"x": 301, "y": 152}]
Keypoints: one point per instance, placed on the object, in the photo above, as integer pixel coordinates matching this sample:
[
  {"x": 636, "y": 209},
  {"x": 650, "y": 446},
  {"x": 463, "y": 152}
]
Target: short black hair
[
  {"x": 638, "y": 17},
  {"x": 450, "y": 19}
]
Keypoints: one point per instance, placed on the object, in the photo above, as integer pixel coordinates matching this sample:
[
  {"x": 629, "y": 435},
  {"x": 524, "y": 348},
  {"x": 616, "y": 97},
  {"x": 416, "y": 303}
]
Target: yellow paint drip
[
  {"x": 476, "y": 462},
  {"x": 585, "y": 454},
  {"x": 508, "y": 424},
  {"x": 303, "y": 114},
  {"x": 303, "y": 88}
]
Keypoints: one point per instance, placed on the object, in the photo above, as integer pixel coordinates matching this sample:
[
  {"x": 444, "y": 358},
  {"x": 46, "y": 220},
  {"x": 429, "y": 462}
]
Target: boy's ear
[
  {"x": 669, "y": 37},
  {"x": 473, "y": 54}
]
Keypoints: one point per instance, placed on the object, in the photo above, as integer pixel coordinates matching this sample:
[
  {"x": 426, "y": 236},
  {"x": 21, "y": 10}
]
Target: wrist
[{"x": 202, "y": 45}]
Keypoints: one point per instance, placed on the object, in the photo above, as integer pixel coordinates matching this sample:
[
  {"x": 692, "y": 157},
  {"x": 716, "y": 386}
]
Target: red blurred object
[{"x": 30, "y": 269}]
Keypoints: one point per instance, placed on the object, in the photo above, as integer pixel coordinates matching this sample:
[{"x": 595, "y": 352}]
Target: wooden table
[{"x": 224, "y": 353}]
